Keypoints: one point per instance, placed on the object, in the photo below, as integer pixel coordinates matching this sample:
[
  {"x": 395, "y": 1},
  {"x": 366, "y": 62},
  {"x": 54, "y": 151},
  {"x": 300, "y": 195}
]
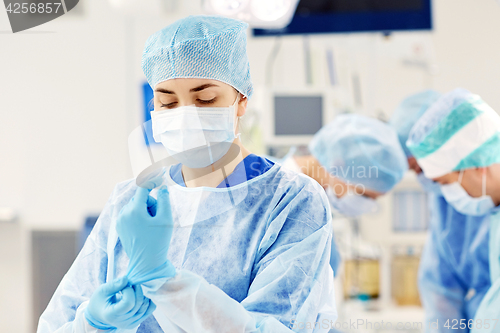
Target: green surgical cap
[{"x": 459, "y": 131}]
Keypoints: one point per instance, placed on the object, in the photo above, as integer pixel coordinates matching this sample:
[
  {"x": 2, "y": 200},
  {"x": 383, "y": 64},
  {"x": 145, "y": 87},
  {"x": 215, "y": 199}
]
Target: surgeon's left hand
[
  {"x": 115, "y": 304},
  {"x": 145, "y": 227}
]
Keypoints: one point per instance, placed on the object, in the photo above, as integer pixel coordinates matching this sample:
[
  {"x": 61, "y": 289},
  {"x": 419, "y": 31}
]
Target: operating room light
[
  {"x": 267, "y": 14},
  {"x": 270, "y": 10},
  {"x": 228, "y": 7}
]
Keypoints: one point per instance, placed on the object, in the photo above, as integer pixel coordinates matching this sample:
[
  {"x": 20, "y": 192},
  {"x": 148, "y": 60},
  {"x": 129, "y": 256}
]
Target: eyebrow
[
  {"x": 203, "y": 86},
  {"x": 164, "y": 91},
  {"x": 199, "y": 88}
]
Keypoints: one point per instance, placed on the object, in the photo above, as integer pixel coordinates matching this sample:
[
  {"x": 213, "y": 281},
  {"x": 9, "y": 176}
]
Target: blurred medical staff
[
  {"x": 457, "y": 144},
  {"x": 454, "y": 270},
  {"x": 356, "y": 159}
]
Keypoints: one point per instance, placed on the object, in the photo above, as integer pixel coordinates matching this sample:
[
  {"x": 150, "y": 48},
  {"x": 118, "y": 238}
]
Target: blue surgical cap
[
  {"x": 459, "y": 131},
  {"x": 408, "y": 112},
  {"x": 360, "y": 151},
  {"x": 204, "y": 47}
]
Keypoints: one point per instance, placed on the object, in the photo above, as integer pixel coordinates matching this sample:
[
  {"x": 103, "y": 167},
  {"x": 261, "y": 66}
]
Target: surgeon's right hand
[
  {"x": 145, "y": 227},
  {"x": 117, "y": 305}
]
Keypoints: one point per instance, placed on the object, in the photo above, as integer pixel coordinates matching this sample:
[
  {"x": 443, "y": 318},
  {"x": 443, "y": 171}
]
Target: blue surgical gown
[
  {"x": 454, "y": 268},
  {"x": 252, "y": 257},
  {"x": 487, "y": 318},
  {"x": 335, "y": 258}
]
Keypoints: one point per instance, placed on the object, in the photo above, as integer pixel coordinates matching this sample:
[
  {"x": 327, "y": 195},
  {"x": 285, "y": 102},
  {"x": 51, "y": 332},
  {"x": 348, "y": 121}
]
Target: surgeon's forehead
[{"x": 190, "y": 84}]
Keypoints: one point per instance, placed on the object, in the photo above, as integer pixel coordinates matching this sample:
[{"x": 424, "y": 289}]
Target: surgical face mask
[
  {"x": 459, "y": 199},
  {"x": 428, "y": 184},
  {"x": 196, "y": 136},
  {"x": 351, "y": 204}
]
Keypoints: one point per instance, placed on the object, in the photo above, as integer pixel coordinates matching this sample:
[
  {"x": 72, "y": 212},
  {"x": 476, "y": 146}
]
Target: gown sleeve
[{"x": 291, "y": 288}]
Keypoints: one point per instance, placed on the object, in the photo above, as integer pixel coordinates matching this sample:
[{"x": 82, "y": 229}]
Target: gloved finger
[
  {"x": 112, "y": 287},
  {"x": 163, "y": 209},
  {"x": 147, "y": 308},
  {"x": 152, "y": 205},
  {"x": 139, "y": 297},
  {"x": 141, "y": 196},
  {"x": 144, "y": 307},
  {"x": 131, "y": 320},
  {"x": 151, "y": 308},
  {"x": 127, "y": 302}
]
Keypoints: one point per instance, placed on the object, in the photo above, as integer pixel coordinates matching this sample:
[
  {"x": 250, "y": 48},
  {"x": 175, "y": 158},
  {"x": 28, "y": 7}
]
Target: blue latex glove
[
  {"x": 117, "y": 305},
  {"x": 145, "y": 228}
]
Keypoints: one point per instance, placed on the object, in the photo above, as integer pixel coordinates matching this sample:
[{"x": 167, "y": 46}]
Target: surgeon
[
  {"x": 228, "y": 241},
  {"x": 454, "y": 269},
  {"x": 457, "y": 145},
  {"x": 356, "y": 159}
]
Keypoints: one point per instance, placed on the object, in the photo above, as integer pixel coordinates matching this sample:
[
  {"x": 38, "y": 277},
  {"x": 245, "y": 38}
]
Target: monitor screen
[
  {"x": 297, "y": 115},
  {"x": 307, "y": 7},
  {"x": 344, "y": 16}
]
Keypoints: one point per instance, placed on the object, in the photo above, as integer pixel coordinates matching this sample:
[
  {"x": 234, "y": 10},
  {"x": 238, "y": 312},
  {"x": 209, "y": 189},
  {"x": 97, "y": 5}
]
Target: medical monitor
[
  {"x": 346, "y": 16},
  {"x": 295, "y": 115}
]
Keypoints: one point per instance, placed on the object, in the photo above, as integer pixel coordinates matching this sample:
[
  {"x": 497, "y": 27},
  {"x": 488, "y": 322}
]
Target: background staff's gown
[
  {"x": 490, "y": 306},
  {"x": 454, "y": 268},
  {"x": 254, "y": 259}
]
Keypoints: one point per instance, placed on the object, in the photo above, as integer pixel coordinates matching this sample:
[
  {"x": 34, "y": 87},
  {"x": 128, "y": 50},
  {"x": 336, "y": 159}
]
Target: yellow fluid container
[
  {"x": 404, "y": 280},
  {"x": 361, "y": 277}
]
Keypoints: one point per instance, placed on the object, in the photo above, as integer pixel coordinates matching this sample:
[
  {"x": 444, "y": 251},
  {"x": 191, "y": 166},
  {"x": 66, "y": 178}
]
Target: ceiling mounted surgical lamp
[{"x": 265, "y": 14}]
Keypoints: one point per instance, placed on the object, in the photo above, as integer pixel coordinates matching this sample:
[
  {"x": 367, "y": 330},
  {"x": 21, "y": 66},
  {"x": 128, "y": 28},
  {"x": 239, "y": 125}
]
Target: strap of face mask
[
  {"x": 460, "y": 177},
  {"x": 484, "y": 182},
  {"x": 237, "y": 122}
]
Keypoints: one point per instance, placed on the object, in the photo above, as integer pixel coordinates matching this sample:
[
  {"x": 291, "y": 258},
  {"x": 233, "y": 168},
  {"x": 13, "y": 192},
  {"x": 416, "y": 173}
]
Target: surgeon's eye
[
  {"x": 203, "y": 101},
  {"x": 169, "y": 105}
]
